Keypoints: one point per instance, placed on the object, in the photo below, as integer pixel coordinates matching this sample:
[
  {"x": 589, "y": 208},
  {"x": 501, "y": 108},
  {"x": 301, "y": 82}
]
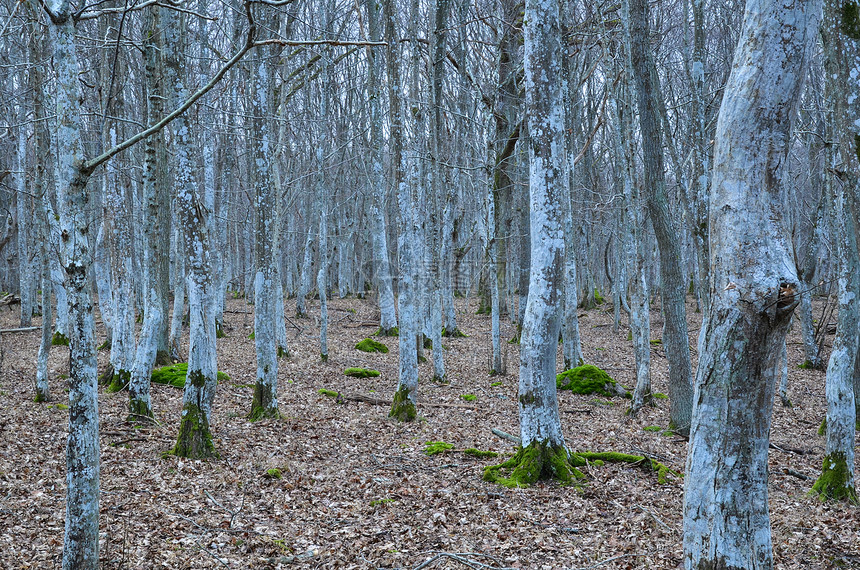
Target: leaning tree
[{"x": 753, "y": 282}]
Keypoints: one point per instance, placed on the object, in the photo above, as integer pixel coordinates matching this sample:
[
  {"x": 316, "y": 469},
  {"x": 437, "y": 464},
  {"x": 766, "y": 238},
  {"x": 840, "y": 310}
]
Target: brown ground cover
[{"x": 356, "y": 490}]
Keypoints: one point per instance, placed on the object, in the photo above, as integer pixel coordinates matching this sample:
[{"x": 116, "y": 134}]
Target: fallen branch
[
  {"x": 22, "y": 329},
  {"x": 787, "y": 449},
  {"x": 797, "y": 474},
  {"x": 507, "y": 436}
]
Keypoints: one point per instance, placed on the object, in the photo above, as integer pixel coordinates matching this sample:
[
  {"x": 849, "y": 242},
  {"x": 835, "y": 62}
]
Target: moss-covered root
[
  {"x": 265, "y": 404},
  {"x": 613, "y": 457},
  {"x": 835, "y": 480},
  {"x": 402, "y": 407},
  {"x": 195, "y": 439},
  {"x": 534, "y": 462}
]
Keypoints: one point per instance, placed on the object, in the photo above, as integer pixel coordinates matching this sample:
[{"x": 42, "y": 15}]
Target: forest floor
[{"x": 357, "y": 489}]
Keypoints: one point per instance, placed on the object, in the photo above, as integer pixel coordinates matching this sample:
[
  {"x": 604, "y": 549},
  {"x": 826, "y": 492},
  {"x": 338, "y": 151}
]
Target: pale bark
[
  {"x": 266, "y": 236},
  {"x": 195, "y": 439},
  {"x": 538, "y": 406},
  {"x": 405, "y": 398},
  {"x": 752, "y": 288},
  {"x": 81, "y": 541},
  {"x": 24, "y": 223},
  {"x": 842, "y": 47},
  {"x": 381, "y": 265}
]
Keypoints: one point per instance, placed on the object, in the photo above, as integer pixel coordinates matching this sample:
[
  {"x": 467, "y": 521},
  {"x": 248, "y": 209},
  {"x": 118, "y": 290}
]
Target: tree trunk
[
  {"x": 81, "y": 543},
  {"x": 842, "y": 48},
  {"x": 672, "y": 289},
  {"x": 752, "y": 292},
  {"x": 543, "y": 452},
  {"x": 194, "y": 439},
  {"x": 266, "y": 239}
]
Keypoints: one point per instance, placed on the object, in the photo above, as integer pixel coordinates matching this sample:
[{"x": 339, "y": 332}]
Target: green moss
[
  {"x": 629, "y": 335},
  {"x": 822, "y": 429},
  {"x": 329, "y": 393},
  {"x": 402, "y": 407},
  {"x": 598, "y": 298},
  {"x": 361, "y": 372},
  {"x": 456, "y": 333},
  {"x": 653, "y": 465},
  {"x": 436, "y": 447},
  {"x": 370, "y": 345},
  {"x": 104, "y": 346},
  {"x": 253, "y": 335},
  {"x": 283, "y": 352},
  {"x": 587, "y": 379},
  {"x": 195, "y": 439},
  {"x": 469, "y": 397},
  {"x": 59, "y": 339},
  {"x": 175, "y": 375},
  {"x": 139, "y": 410},
  {"x": 532, "y": 463},
  {"x": 659, "y": 396},
  {"x": 378, "y": 502},
  {"x": 219, "y": 330},
  {"x": 656, "y": 341},
  {"x": 833, "y": 484},
  {"x": 652, "y": 428},
  {"x": 495, "y": 384},
  {"x": 393, "y": 331},
  {"x": 323, "y": 357},
  {"x": 428, "y": 343},
  {"x": 265, "y": 403},
  {"x": 61, "y": 406},
  {"x": 273, "y": 473},
  {"x": 119, "y": 381},
  {"x": 851, "y": 20},
  {"x": 474, "y": 452}
]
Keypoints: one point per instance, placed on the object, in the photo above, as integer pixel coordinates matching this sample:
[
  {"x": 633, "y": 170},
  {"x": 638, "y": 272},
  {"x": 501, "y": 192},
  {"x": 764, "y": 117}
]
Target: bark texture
[{"x": 752, "y": 291}]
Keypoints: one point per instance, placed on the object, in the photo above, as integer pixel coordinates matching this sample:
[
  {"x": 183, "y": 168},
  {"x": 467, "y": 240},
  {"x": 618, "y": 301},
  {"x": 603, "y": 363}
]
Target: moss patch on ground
[
  {"x": 436, "y": 447},
  {"x": 370, "y": 345},
  {"x": 361, "y": 372},
  {"x": 589, "y": 379},
  {"x": 175, "y": 375}
]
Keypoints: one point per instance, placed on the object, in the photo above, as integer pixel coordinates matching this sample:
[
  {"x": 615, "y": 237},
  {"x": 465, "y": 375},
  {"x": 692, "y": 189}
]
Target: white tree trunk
[
  {"x": 81, "y": 543},
  {"x": 194, "y": 439},
  {"x": 539, "y": 417},
  {"x": 752, "y": 292}
]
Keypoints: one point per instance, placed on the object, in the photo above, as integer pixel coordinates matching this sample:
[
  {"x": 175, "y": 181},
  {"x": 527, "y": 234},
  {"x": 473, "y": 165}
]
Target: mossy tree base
[
  {"x": 162, "y": 358},
  {"x": 140, "y": 411},
  {"x": 283, "y": 352},
  {"x": 535, "y": 462},
  {"x": 119, "y": 381},
  {"x": 393, "y": 331},
  {"x": 41, "y": 397},
  {"x": 107, "y": 377},
  {"x": 59, "y": 339},
  {"x": 402, "y": 407},
  {"x": 264, "y": 405},
  {"x": 833, "y": 484},
  {"x": 456, "y": 333},
  {"x": 539, "y": 461},
  {"x": 195, "y": 439}
]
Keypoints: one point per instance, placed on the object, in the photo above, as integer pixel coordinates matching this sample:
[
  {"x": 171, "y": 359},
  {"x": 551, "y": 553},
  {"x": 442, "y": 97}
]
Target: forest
[{"x": 455, "y": 284}]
